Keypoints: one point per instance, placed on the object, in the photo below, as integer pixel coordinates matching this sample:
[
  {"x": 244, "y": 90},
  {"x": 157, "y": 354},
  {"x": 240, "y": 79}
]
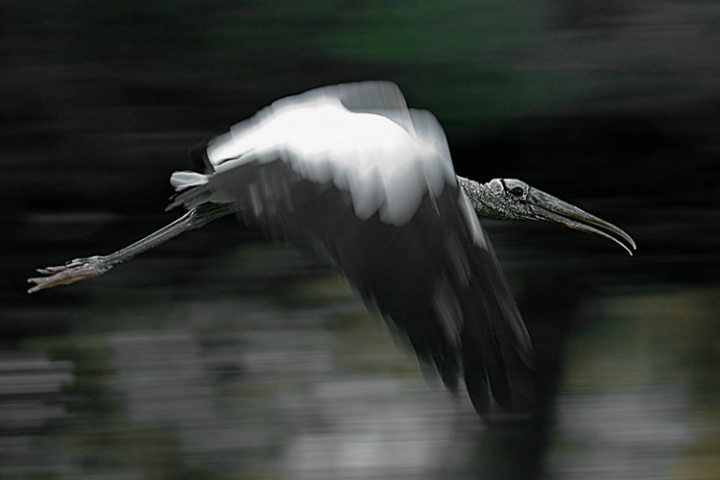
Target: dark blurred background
[{"x": 220, "y": 356}]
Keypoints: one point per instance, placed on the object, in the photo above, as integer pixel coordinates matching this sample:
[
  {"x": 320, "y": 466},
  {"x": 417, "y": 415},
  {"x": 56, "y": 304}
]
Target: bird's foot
[{"x": 73, "y": 271}]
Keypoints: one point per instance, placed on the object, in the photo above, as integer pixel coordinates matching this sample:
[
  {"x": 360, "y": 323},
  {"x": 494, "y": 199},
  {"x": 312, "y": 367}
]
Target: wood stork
[{"x": 350, "y": 174}]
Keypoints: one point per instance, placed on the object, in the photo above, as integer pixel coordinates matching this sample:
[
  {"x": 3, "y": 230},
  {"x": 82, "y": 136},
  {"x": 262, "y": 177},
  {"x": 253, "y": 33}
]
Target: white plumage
[{"x": 387, "y": 159}]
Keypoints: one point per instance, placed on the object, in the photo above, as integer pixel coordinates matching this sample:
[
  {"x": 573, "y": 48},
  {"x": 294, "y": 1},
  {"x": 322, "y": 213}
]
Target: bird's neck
[{"x": 481, "y": 198}]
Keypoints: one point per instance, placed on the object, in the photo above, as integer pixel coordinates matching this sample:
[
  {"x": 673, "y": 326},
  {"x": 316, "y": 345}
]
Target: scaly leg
[{"x": 89, "y": 267}]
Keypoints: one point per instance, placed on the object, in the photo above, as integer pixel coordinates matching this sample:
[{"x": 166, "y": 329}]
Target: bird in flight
[{"x": 350, "y": 174}]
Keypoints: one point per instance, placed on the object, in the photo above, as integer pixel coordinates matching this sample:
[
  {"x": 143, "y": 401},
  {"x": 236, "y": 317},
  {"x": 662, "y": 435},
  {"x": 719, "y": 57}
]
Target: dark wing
[
  {"x": 445, "y": 292},
  {"x": 434, "y": 275}
]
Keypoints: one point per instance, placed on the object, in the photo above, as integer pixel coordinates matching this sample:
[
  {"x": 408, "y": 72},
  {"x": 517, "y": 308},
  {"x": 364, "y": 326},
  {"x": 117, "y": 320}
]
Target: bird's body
[{"x": 350, "y": 174}]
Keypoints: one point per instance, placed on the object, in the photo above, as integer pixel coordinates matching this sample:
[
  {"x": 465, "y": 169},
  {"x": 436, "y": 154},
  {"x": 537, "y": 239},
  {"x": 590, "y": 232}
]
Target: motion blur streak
[{"x": 603, "y": 103}]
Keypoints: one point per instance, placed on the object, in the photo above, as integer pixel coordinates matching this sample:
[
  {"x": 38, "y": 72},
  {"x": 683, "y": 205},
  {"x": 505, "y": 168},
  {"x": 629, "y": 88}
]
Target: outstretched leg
[{"x": 89, "y": 267}]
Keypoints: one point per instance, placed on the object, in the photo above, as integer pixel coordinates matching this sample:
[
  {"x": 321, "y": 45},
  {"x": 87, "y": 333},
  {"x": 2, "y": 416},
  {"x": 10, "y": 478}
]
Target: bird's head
[{"x": 512, "y": 199}]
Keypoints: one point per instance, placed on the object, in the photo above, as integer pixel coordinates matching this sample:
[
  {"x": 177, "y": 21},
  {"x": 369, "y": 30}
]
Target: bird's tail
[{"x": 191, "y": 189}]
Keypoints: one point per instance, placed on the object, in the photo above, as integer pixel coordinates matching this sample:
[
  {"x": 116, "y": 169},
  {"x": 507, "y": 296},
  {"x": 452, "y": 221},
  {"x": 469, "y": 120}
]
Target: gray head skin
[{"x": 512, "y": 199}]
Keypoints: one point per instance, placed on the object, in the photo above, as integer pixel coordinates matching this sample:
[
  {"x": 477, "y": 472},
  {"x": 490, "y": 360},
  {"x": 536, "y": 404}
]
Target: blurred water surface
[
  {"x": 221, "y": 356},
  {"x": 259, "y": 364}
]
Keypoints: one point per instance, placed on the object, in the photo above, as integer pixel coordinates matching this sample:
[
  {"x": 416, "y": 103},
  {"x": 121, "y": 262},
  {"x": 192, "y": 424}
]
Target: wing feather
[
  {"x": 387, "y": 159},
  {"x": 445, "y": 294},
  {"x": 431, "y": 270}
]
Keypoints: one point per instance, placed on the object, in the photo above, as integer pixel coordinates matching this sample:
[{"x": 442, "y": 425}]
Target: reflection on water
[
  {"x": 289, "y": 377},
  {"x": 30, "y": 398},
  {"x": 631, "y": 432},
  {"x": 301, "y": 383},
  {"x": 645, "y": 404},
  {"x": 641, "y": 388}
]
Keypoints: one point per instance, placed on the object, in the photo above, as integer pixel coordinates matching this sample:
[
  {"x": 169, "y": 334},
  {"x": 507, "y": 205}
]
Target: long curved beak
[{"x": 550, "y": 209}]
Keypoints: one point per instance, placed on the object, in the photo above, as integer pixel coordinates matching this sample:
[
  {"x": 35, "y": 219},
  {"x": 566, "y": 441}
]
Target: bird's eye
[{"x": 516, "y": 191}]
